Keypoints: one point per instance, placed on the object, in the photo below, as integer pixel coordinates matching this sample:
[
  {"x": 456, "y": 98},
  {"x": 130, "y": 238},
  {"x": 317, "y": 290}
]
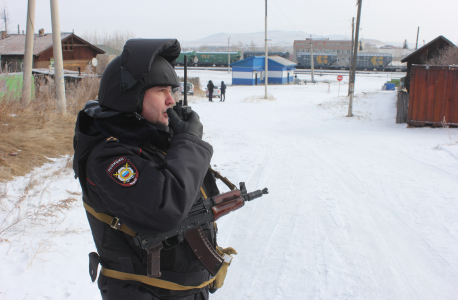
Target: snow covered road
[{"x": 358, "y": 208}]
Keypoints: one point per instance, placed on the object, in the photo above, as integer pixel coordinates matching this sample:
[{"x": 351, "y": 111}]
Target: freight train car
[
  {"x": 216, "y": 58},
  {"x": 191, "y": 57},
  {"x": 365, "y": 61},
  {"x": 320, "y": 60},
  {"x": 371, "y": 61},
  {"x": 247, "y": 54}
]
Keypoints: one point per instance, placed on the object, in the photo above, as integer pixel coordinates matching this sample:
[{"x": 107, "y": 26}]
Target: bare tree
[
  {"x": 445, "y": 57},
  {"x": 203, "y": 48},
  {"x": 405, "y": 46},
  {"x": 116, "y": 39},
  {"x": 253, "y": 46}
]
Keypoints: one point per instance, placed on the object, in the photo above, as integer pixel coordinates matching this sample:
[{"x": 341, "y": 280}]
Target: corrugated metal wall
[{"x": 433, "y": 95}]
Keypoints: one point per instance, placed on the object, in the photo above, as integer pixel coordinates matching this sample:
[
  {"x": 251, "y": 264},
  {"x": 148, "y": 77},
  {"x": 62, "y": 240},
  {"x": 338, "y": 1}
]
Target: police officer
[{"x": 141, "y": 168}]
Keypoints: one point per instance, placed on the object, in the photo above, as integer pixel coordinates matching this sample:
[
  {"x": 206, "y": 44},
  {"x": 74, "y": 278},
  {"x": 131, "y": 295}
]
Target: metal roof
[
  {"x": 15, "y": 44},
  {"x": 281, "y": 60},
  {"x": 421, "y": 49}
]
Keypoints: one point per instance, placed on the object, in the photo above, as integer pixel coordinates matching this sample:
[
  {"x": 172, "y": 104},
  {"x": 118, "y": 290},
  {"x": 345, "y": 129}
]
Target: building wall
[
  {"x": 75, "y": 56},
  {"x": 247, "y": 75}
]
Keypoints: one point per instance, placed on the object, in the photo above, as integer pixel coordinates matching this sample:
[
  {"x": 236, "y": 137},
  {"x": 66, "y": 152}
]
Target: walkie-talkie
[{"x": 181, "y": 108}]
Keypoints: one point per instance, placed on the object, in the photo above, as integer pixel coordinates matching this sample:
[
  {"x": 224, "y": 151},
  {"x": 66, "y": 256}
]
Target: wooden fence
[
  {"x": 402, "y": 106},
  {"x": 433, "y": 96}
]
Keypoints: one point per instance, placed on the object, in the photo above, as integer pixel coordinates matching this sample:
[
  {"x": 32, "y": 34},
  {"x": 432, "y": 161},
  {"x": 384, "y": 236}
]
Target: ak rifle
[{"x": 205, "y": 210}]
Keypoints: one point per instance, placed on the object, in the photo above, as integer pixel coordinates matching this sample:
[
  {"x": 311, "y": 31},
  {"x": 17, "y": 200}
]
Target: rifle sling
[
  {"x": 229, "y": 184},
  {"x": 152, "y": 281},
  {"x": 114, "y": 222}
]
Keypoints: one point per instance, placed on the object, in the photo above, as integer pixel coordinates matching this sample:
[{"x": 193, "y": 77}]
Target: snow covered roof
[{"x": 15, "y": 44}]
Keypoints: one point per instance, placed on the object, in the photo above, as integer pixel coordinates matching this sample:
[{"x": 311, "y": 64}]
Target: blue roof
[{"x": 259, "y": 61}]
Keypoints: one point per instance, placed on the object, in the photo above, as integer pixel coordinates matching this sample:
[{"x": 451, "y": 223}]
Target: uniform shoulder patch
[{"x": 123, "y": 172}]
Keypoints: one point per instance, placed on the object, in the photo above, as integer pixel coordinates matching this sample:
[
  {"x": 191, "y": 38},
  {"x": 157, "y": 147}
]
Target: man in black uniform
[
  {"x": 210, "y": 87},
  {"x": 142, "y": 174},
  {"x": 223, "y": 91}
]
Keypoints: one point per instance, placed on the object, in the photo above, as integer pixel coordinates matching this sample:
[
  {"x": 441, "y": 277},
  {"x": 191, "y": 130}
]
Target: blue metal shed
[{"x": 251, "y": 71}]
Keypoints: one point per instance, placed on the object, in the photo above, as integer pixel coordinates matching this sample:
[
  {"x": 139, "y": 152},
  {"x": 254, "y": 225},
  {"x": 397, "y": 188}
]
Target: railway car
[
  {"x": 191, "y": 57},
  {"x": 216, "y": 58},
  {"x": 366, "y": 61},
  {"x": 371, "y": 61},
  {"x": 320, "y": 60},
  {"x": 247, "y": 54}
]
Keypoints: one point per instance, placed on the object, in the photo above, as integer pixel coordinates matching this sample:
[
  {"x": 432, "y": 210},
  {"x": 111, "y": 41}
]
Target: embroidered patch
[{"x": 123, "y": 172}]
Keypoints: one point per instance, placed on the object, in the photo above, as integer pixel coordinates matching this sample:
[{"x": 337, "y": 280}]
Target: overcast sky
[{"x": 387, "y": 20}]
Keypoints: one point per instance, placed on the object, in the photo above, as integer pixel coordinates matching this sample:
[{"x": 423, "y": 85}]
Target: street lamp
[{"x": 228, "y": 55}]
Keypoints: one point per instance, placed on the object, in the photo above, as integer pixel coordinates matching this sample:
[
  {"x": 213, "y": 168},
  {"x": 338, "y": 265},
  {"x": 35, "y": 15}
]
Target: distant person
[
  {"x": 210, "y": 87},
  {"x": 223, "y": 91}
]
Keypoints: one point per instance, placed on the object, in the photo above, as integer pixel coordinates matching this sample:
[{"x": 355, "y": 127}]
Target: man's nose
[{"x": 169, "y": 100}]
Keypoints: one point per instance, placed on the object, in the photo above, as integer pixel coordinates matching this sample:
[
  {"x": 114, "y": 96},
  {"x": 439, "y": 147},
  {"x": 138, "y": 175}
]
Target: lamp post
[
  {"x": 266, "y": 54},
  {"x": 228, "y": 55}
]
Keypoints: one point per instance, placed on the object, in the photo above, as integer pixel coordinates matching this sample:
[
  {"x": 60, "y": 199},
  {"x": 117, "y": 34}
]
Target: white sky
[{"x": 388, "y": 20}]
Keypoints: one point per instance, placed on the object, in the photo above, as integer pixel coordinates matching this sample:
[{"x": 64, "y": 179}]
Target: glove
[{"x": 191, "y": 126}]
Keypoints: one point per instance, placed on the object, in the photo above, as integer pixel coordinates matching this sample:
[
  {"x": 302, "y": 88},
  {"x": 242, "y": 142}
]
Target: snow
[{"x": 358, "y": 208}]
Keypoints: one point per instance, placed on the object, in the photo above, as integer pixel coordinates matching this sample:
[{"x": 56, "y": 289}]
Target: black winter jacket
[{"x": 128, "y": 177}]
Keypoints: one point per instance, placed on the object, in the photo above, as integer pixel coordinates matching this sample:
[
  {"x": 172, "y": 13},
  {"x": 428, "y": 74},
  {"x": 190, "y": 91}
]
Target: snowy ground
[{"x": 359, "y": 208}]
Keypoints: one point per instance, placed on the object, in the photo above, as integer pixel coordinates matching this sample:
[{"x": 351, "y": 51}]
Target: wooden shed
[
  {"x": 423, "y": 54},
  {"x": 433, "y": 96},
  {"x": 76, "y": 52}
]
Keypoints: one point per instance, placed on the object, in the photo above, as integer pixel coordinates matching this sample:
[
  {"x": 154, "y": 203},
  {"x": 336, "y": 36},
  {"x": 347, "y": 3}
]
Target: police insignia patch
[{"x": 123, "y": 172}]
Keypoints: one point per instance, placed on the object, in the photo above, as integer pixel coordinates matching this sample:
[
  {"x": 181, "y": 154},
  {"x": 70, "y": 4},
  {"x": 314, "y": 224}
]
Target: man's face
[{"x": 155, "y": 104}]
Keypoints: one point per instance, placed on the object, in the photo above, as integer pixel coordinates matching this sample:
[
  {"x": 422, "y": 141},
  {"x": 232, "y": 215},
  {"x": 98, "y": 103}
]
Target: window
[{"x": 66, "y": 46}]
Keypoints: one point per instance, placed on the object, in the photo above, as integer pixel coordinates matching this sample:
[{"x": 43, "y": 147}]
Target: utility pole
[
  {"x": 4, "y": 18},
  {"x": 266, "y": 66},
  {"x": 28, "y": 55},
  {"x": 311, "y": 59},
  {"x": 228, "y": 55},
  {"x": 58, "y": 61},
  {"x": 355, "y": 59},
  {"x": 418, "y": 32},
  {"x": 351, "y": 51}
]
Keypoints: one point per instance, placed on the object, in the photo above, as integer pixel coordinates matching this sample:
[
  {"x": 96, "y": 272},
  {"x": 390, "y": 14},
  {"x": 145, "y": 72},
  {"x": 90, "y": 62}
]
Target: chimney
[{"x": 41, "y": 32}]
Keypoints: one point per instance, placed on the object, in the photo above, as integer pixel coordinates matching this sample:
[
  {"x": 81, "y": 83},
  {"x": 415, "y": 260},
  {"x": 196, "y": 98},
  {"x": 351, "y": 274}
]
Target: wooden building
[
  {"x": 76, "y": 52},
  {"x": 423, "y": 55},
  {"x": 433, "y": 96}
]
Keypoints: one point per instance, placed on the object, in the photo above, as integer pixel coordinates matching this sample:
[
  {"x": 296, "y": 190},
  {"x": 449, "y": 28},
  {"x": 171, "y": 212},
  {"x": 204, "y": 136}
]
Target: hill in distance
[{"x": 282, "y": 38}]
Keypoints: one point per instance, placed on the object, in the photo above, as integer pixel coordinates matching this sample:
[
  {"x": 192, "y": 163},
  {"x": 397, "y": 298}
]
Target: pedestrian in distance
[
  {"x": 142, "y": 168},
  {"x": 210, "y": 87},
  {"x": 223, "y": 91}
]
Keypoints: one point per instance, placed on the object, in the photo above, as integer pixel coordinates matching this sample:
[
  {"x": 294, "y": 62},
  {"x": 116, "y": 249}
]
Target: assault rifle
[{"x": 205, "y": 210}]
